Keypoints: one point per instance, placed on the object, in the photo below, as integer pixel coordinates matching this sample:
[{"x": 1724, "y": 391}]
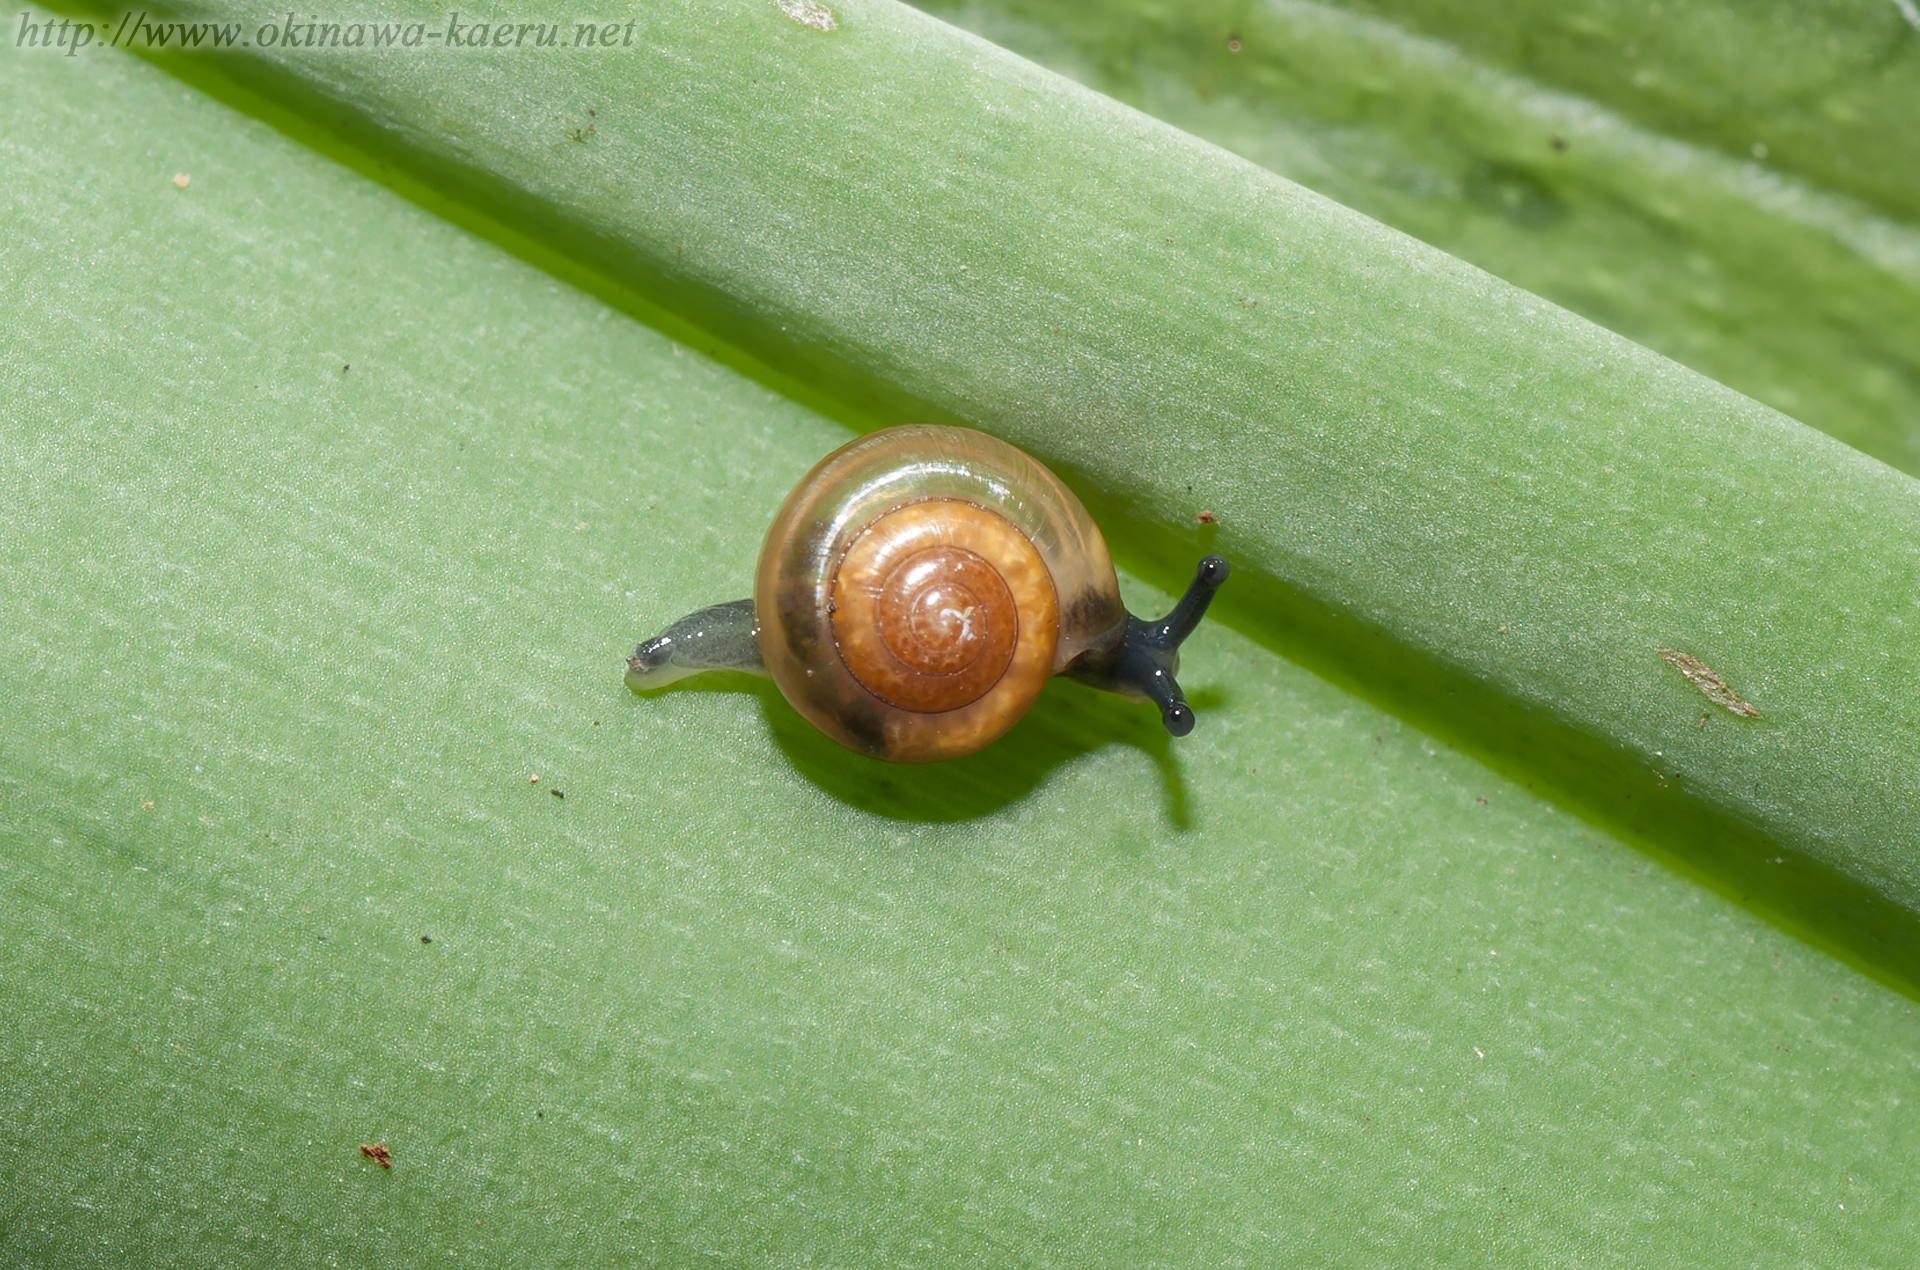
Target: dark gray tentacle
[{"x": 1142, "y": 666}]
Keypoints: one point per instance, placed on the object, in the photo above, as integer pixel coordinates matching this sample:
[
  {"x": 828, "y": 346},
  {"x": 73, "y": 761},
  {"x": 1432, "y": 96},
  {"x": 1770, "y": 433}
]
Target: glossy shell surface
[{"x": 918, "y": 587}]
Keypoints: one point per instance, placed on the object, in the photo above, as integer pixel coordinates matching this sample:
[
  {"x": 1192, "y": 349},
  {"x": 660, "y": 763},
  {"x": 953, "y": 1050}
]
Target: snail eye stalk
[{"x": 1142, "y": 666}]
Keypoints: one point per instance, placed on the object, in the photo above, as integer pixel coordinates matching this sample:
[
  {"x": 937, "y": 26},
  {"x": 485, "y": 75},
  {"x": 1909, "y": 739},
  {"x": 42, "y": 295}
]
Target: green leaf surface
[
  {"x": 1481, "y": 511},
  {"x": 1725, "y": 183},
  {"x": 1816, "y": 85},
  {"x": 326, "y": 523}
]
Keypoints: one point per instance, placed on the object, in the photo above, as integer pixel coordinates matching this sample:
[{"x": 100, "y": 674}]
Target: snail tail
[{"x": 723, "y": 637}]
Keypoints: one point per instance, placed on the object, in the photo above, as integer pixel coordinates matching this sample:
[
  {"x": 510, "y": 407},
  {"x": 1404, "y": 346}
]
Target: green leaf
[
  {"x": 1716, "y": 183},
  {"x": 1778, "y": 266},
  {"x": 1478, "y": 510},
  {"x": 326, "y": 522}
]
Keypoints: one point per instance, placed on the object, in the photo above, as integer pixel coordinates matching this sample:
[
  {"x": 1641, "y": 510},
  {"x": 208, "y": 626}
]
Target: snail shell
[{"x": 920, "y": 585}]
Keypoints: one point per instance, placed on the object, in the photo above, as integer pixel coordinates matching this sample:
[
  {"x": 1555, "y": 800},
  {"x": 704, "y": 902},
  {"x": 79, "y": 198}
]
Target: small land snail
[{"x": 917, "y": 589}]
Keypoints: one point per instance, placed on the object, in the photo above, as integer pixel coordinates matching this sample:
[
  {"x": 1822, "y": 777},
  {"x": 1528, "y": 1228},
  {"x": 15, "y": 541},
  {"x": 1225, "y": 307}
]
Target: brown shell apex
[{"x": 916, "y": 590}]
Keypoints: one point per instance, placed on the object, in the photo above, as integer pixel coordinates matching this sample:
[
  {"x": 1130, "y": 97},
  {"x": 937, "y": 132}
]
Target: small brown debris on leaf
[
  {"x": 1208, "y": 518},
  {"x": 378, "y": 1153},
  {"x": 181, "y": 180},
  {"x": 556, "y": 793},
  {"x": 1711, "y": 685}
]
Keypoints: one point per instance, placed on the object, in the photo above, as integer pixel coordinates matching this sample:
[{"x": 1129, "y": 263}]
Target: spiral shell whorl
[
  {"x": 937, "y": 602},
  {"x": 911, "y": 591}
]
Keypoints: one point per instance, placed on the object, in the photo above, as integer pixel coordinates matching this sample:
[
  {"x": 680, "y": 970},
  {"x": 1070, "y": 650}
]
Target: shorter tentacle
[{"x": 723, "y": 637}]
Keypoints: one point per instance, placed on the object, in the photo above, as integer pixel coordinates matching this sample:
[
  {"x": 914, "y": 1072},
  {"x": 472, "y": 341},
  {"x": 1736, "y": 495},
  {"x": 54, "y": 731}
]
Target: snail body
[{"x": 916, "y": 590}]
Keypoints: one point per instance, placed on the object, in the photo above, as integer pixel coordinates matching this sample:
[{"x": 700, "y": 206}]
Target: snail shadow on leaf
[{"x": 1068, "y": 721}]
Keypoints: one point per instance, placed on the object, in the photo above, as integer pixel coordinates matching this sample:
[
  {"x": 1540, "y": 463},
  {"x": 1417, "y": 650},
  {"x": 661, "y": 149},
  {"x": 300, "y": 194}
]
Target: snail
[{"x": 917, "y": 589}]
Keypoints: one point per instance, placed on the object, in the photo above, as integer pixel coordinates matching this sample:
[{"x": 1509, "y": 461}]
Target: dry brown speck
[
  {"x": 556, "y": 793},
  {"x": 378, "y": 1153},
  {"x": 534, "y": 779},
  {"x": 147, "y": 806},
  {"x": 1207, "y": 518},
  {"x": 181, "y": 180},
  {"x": 1711, "y": 685}
]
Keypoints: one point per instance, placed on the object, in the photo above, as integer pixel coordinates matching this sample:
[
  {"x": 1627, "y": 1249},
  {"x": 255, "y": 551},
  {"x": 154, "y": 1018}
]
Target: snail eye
[{"x": 928, "y": 604}]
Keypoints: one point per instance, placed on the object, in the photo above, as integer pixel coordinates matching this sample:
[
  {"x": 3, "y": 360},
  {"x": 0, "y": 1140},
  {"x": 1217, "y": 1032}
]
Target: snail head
[{"x": 1141, "y": 667}]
